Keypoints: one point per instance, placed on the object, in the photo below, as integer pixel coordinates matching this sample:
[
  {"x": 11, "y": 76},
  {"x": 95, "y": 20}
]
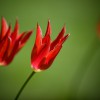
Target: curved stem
[{"x": 23, "y": 86}]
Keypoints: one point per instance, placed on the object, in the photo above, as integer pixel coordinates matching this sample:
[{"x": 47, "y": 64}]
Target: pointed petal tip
[
  {"x": 16, "y": 21},
  {"x": 64, "y": 27},
  {"x": 31, "y": 31},
  {"x": 63, "y": 30},
  {"x": 68, "y": 34},
  {"x": 38, "y": 26},
  {"x": 49, "y": 20},
  {"x": 64, "y": 39},
  {"x": 3, "y": 18},
  {"x": 9, "y": 26},
  {"x": 48, "y": 30},
  {"x": 64, "y": 24},
  {"x": 16, "y": 28},
  {"x": 16, "y": 18},
  {"x": 4, "y": 27}
]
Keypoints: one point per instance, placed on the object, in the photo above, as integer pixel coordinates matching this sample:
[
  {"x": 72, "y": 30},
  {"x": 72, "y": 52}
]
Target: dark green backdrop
[{"x": 76, "y": 70}]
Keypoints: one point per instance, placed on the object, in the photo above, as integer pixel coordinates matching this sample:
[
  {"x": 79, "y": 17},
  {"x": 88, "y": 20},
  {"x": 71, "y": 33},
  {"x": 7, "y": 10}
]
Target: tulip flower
[
  {"x": 45, "y": 51},
  {"x": 11, "y": 42},
  {"x": 98, "y": 29}
]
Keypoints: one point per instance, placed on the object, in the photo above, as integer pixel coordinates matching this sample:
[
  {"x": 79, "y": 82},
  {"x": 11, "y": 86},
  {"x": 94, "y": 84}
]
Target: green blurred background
[{"x": 75, "y": 73}]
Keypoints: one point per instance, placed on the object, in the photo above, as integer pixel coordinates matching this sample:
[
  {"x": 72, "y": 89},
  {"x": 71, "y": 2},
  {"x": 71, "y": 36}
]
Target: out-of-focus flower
[
  {"x": 11, "y": 42},
  {"x": 98, "y": 29},
  {"x": 45, "y": 50}
]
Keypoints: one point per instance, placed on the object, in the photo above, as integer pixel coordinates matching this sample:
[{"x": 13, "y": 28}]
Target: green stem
[{"x": 23, "y": 86}]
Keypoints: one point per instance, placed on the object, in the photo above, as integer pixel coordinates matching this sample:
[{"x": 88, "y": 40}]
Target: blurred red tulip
[
  {"x": 98, "y": 29},
  {"x": 11, "y": 42},
  {"x": 45, "y": 50}
]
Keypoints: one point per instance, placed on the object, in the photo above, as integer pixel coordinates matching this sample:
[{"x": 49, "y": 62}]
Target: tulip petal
[
  {"x": 64, "y": 38},
  {"x": 61, "y": 34},
  {"x": 35, "y": 60},
  {"x": 38, "y": 41},
  {"x": 9, "y": 31},
  {"x": 7, "y": 34},
  {"x": 20, "y": 36},
  {"x": 15, "y": 32},
  {"x": 36, "y": 52},
  {"x": 48, "y": 31},
  {"x": 45, "y": 39},
  {"x": 12, "y": 52},
  {"x": 47, "y": 61},
  {"x": 7, "y": 50},
  {"x": 3, "y": 47},
  {"x": 25, "y": 38},
  {"x": 3, "y": 61},
  {"x": 36, "y": 57},
  {"x": 41, "y": 66},
  {"x": 4, "y": 27},
  {"x": 33, "y": 53},
  {"x": 45, "y": 47}
]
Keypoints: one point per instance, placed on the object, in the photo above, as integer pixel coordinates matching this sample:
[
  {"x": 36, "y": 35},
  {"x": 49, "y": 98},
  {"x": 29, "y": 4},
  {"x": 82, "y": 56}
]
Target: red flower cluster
[
  {"x": 45, "y": 50},
  {"x": 11, "y": 42}
]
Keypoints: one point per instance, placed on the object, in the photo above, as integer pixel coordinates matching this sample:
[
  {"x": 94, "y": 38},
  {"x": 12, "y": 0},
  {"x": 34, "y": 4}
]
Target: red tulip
[
  {"x": 11, "y": 42},
  {"x": 45, "y": 51},
  {"x": 98, "y": 29}
]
